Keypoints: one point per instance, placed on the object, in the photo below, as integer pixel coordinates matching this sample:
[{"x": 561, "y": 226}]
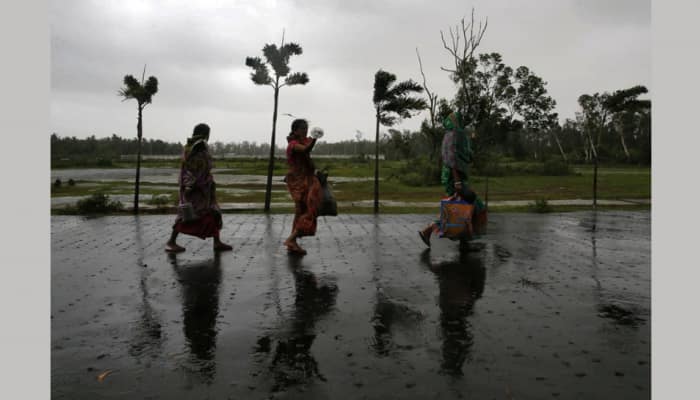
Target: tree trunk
[
  {"x": 271, "y": 164},
  {"x": 595, "y": 182},
  {"x": 624, "y": 145},
  {"x": 376, "y": 167},
  {"x": 561, "y": 150},
  {"x": 139, "y": 133},
  {"x": 595, "y": 173}
]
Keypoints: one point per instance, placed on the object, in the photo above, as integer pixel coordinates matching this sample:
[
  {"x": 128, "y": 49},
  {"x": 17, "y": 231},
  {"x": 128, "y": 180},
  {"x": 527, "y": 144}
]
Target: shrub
[
  {"x": 541, "y": 206},
  {"x": 71, "y": 182},
  {"x": 57, "y": 183},
  {"x": 160, "y": 201},
  {"x": 420, "y": 172},
  {"x": 98, "y": 203}
]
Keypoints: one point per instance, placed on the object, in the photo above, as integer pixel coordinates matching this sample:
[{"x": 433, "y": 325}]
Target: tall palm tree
[
  {"x": 392, "y": 102},
  {"x": 278, "y": 59},
  {"x": 143, "y": 93}
]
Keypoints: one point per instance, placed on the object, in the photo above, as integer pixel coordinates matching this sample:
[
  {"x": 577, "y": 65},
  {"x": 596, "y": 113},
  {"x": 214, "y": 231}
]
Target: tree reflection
[
  {"x": 200, "y": 307},
  {"x": 461, "y": 283},
  {"x": 147, "y": 337}
]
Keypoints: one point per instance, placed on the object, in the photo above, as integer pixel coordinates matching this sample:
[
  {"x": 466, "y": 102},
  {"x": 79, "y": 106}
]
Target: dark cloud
[{"x": 198, "y": 49}]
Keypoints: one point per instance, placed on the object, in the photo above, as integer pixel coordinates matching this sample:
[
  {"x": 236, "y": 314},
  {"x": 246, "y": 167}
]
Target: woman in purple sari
[{"x": 199, "y": 213}]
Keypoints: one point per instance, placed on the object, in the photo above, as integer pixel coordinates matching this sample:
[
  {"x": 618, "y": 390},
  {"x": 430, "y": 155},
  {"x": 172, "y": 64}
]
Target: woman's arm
[{"x": 304, "y": 148}]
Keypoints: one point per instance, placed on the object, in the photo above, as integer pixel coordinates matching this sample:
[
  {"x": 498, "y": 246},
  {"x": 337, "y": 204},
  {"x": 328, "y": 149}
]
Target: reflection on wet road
[{"x": 544, "y": 306}]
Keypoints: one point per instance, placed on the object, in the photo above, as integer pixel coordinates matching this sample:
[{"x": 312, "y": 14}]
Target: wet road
[{"x": 544, "y": 306}]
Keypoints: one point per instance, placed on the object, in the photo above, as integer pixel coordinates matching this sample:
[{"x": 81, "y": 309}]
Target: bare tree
[
  {"x": 463, "y": 55},
  {"x": 432, "y": 97}
]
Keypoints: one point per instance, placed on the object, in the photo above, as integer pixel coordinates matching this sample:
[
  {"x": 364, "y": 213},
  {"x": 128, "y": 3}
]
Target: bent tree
[{"x": 392, "y": 102}]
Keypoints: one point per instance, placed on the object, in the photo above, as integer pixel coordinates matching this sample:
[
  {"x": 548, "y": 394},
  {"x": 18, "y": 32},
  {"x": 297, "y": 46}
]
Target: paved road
[
  {"x": 544, "y": 306},
  {"x": 127, "y": 201}
]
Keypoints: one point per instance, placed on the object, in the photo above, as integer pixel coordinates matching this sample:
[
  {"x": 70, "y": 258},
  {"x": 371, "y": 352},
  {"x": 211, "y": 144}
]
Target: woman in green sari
[{"x": 457, "y": 153}]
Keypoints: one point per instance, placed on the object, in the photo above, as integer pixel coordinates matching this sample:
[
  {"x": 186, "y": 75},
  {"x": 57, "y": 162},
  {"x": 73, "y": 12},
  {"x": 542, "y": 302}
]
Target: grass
[{"x": 614, "y": 182}]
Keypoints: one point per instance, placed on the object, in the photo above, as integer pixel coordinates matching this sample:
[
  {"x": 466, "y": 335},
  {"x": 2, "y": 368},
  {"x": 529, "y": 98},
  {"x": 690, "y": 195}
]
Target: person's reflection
[
  {"x": 461, "y": 282},
  {"x": 293, "y": 362},
  {"x": 200, "y": 307}
]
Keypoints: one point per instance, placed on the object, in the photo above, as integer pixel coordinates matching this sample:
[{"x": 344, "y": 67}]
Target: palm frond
[
  {"x": 292, "y": 49},
  {"x": 387, "y": 120},
  {"x": 403, "y": 106},
  {"x": 276, "y": 59},
  {"x": 382, "y": 82},
  {"x": 405, "y": 87},
  {"x": 151, "y": 86},
  {"x": 260, "y": 74},
  {"x": 130, "y": 81},
  {"x": 297, "y": 78}
]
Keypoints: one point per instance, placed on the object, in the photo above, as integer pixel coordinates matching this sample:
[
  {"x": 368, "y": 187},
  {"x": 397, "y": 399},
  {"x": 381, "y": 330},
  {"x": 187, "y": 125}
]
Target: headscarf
[{"x": 453, "y": 122}]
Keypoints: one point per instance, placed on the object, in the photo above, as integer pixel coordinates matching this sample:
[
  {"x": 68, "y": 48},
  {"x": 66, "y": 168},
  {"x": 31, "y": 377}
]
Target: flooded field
[
  {"x": 544, "y": 306},
  {"x": 222, "y": 176}
]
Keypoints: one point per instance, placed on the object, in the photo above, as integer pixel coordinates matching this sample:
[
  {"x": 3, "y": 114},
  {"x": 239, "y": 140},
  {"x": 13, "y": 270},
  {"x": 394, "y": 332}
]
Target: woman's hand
[{"x": 316, "y": 133}]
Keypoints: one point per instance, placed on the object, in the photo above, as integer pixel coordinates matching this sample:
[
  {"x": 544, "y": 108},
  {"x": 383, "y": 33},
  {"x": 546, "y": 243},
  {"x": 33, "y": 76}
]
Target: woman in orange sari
[{"x": 302, "y": 183}]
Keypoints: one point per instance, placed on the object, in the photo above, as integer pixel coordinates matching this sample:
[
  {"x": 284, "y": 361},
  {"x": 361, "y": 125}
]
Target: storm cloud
[{"x": 197, "y": 51}]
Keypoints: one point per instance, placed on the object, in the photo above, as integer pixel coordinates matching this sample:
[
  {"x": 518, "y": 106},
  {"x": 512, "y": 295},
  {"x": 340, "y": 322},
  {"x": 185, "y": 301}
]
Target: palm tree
[
  {"x": 143, "y": 93},
  {"x": 392, "y": 102},
  {"x": 278, "y": 59},
  {"x": 624, "y": 103}
]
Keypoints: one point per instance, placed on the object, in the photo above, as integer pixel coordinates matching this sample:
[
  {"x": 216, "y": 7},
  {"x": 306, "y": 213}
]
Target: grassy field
[{"x": 614, "y": 182}]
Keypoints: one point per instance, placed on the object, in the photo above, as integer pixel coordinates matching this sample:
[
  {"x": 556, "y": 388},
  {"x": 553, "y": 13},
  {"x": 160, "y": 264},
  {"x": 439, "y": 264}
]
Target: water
[{"x": 544, "y": 306}]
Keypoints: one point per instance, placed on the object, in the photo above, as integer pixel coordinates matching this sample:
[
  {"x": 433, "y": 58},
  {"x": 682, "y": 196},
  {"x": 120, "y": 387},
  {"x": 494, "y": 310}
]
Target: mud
[{"x": 544, "y": 306}]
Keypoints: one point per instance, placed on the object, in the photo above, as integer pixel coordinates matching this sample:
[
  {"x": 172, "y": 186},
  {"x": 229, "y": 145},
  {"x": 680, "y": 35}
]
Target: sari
[
  {"x": 197, "y": 187},
  {"x": 457, "y": 153},
  {"x": 304, "y": 188}
]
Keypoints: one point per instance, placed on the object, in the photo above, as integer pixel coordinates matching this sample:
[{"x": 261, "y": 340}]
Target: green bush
[
  {"x": 71, "y": 182},
  {"x": 420, "y": 172},
  {"x": 57, "y": 183},
  {"x": 541, "y": 206},
  {"x": 98, "y": 203},
  {"x": 160, "y": 201}
]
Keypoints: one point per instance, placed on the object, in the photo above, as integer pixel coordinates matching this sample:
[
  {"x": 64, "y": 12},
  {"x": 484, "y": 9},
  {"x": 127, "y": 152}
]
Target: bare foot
[
  {"x": 425, "y": 236},
  {"x": 222, "y": 247},
  {"x": 293, "y": 247},
  {"x": 173, "y": 248}
]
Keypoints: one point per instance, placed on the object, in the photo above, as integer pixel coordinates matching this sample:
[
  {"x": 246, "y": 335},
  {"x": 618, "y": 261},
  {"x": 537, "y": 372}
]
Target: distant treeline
[
  {"x": 110, "y": 148},
  {"x": 114, "y": 148}
]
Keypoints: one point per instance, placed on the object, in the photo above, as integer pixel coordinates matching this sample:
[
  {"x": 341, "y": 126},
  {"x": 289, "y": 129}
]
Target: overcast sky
[{"x": 197, "y": 50}]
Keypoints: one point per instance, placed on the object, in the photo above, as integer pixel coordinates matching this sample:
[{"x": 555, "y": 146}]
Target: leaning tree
[
  {"x": 143, "y": 93},
  {"x": 278, "y": 59},
  {"x": 623, "y": 103},
  {"x": 392, "y": 102}
]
